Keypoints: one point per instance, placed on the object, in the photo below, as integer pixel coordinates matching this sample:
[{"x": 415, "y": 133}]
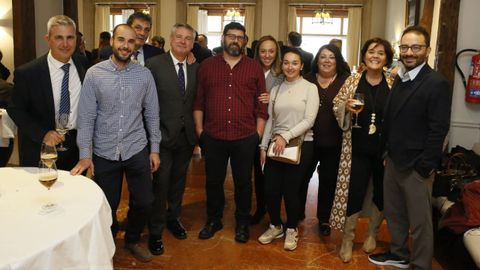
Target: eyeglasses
[
  {"x": 233, "y": 37},
  {"x": 415, "y": 48}
]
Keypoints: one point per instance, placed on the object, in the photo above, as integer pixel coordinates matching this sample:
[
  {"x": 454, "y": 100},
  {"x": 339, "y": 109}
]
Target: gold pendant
[{"x": 372, "y": 129}]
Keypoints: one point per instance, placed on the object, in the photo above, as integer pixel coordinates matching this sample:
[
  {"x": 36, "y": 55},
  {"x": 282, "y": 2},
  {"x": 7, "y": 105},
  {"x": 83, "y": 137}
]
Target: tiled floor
[{"x": 222, "y": 252}]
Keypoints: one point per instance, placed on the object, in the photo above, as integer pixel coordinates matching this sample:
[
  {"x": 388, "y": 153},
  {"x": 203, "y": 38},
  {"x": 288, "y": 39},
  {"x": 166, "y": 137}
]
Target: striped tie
[
  {"x": 181, "y": 79},
  {"x": 65, "y": 94}
]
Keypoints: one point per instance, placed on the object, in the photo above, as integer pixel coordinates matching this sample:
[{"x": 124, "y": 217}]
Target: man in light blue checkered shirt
[{"x": 118, "y": 133}]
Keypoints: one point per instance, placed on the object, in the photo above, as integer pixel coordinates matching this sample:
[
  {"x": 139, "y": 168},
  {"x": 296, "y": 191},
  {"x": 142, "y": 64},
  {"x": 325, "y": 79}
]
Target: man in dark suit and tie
[
  {"x": 44, "y": 88},
  {"x": 142, "y": 24},
  {"x": 417, "y": 120},
  {"x": 176, "y": 87}
]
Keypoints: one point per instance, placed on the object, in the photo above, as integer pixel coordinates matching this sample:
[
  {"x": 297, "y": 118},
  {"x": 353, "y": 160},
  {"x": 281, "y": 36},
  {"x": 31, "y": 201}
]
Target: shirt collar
[
  {"x": 115, "y": 66},
  {"x": 57, "y": 64},
  {"x": 140, "y": 51},
  {"x": 409, "y": 75},
  {"x": 175, "y": 60}
]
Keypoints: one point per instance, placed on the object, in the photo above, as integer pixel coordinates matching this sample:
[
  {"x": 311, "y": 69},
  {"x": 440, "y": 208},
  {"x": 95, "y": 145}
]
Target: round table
[{"x": 77, "y": 236}]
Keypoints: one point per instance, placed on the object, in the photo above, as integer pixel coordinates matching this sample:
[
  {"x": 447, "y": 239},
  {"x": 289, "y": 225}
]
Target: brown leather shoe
[{"x": 140, "y": 253}]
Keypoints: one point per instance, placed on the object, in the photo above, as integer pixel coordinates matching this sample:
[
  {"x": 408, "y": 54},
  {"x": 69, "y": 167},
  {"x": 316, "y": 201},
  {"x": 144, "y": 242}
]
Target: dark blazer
[
  {"x": 175, "y": 109},
  {"x": 307, "y": 59},
  {"x": 150, "y": 51},
  {"x": 33, "y": 111},
  {"x": 417, "y": 122}
]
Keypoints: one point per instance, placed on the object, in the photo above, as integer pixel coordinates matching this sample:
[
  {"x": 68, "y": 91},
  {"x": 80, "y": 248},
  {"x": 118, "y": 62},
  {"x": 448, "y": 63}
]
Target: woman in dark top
[
  {"x": 328, "y": 74},
  {"x": 361, "y": 154}
]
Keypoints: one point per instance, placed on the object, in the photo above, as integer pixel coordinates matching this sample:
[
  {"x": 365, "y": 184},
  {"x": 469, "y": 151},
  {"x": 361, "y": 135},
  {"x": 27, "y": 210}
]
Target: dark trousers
[
  {"x": 5, "y": 153},
  {"x": 408, "y": 210},
  {"x": 259, "y": 183},
  {"x": 364, "y": 168},
  {"x": 284, "y": 180},
  {"x": 109, "y": 176},
  {"x": 217, "y": 153},
  {"x": 329, "y": 158},
  {"x": 169, "y": 184}
]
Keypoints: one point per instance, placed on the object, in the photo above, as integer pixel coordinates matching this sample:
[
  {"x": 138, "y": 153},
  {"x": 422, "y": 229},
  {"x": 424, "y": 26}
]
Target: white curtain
[
  {"x": 102, "y": 21},
  {"x": 153, "y": 13},
  {"x": 202, "y": 22},
  {"x": 354, "y": 35},
  {"x": 292, "y": 20},
  {"x": 192, "y": 16},
  {"x": 250, "y": 24}
]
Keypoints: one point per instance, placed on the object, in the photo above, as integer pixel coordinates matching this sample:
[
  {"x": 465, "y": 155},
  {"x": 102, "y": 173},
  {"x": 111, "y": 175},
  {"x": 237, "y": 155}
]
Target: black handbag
[{"x": 455, "y": 173}]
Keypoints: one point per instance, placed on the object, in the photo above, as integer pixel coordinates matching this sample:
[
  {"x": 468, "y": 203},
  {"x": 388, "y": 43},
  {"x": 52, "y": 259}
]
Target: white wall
[
  {"x": 465, "y": 121},
  {"x": 44, "y": 9},
  {"x": 6, "y": 34}
]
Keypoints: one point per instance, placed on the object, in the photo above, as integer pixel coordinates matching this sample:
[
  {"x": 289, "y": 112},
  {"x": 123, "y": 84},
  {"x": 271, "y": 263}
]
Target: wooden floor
[{"x": 222, "y": 252}]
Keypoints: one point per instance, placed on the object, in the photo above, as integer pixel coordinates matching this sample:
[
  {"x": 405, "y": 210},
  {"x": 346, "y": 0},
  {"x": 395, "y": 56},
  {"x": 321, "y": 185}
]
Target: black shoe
[
  {"x": 257, "y": 217},
  {"x": 177, "y": 229},
  {"x": 155, "y": 245},
  {"x": 241, "y": 233},
  {"x": 388, "y": 259},
  {"x": 210, "y": 229},
  {"x": 325, "y": 229}
]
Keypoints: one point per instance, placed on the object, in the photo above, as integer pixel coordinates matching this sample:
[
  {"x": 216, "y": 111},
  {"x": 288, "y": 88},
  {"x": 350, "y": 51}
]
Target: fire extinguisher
[{"x": 472, "y": 88}]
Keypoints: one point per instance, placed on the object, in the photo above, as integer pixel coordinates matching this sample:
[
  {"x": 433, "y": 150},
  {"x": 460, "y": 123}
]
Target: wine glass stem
[{"x": 356, "y": 119}]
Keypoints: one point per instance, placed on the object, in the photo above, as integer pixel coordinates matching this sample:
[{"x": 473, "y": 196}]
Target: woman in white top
[
  {"x": 267, "y": 53},
  {"x": 293, "y": 107}
]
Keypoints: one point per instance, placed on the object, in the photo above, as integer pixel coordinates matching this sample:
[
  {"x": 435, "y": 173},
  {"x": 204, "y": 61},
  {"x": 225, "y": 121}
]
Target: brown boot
[
  {"x": 348, "y": 236},
  {"x": 374, "y": 223}
]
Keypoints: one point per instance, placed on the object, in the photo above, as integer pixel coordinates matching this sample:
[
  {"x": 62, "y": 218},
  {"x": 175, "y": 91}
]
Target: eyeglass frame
[
  {"x": 233, "y": 37},
  {"x": 415, "y": 48}
]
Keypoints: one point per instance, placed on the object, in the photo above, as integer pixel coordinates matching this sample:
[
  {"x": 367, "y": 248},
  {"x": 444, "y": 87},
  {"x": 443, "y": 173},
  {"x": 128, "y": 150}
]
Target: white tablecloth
[{"x": 76, "y": 237}]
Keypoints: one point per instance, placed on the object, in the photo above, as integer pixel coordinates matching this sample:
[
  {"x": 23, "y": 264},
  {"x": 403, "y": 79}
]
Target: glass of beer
[
  {"x": 358, "y": 103},
  {"x": 47, "y": 176}
]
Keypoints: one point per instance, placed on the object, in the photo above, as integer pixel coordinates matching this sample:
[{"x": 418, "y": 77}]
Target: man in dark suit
[
  {"x": 142, "y": 24},
  {"x": 295, "y": 40},
  {"x": 45, "y": 87},
  {"x": 176, "y": 87},
  {"x": 201, "y": 53},
  {"x": 417, "y": 120}
]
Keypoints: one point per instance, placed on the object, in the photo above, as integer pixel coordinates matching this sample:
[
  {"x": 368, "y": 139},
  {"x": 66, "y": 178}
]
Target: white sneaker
[
  {"x": 272, "y": 233},
  {"x": 291, "y": 239}
]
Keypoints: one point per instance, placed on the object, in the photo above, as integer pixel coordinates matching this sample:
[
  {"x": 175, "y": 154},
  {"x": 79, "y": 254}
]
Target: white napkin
[{"x": 7, "y": 128}]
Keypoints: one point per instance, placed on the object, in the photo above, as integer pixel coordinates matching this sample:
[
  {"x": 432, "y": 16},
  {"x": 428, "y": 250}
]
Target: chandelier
[
  {"x": 322, "y": 17},
  {"x": 233, "y": 12}
]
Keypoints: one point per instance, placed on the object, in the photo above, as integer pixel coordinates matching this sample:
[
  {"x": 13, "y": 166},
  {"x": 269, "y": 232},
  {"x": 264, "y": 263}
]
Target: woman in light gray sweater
[{"x": 293, "y": 107}]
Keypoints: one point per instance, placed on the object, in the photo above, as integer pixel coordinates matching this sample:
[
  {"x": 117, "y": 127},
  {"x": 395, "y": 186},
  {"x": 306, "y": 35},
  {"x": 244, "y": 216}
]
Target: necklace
[
  {"x": 376, "y": 83},
  {"x": 323, "y": 90}
]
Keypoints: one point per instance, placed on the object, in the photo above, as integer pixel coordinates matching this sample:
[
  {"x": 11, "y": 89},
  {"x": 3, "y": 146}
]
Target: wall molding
[{"x": 463, "y": 124}]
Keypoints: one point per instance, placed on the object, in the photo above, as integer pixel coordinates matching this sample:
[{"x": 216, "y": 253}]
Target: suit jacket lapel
[
  {"x": 80, "y": 69},
  {"x": 46, "y": 87},
  {"x": 411, "y": 90}
]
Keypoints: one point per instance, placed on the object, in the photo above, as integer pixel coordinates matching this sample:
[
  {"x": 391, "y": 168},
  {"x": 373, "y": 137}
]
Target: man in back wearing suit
[
  {"x": 417, "y": 120},
  {"x": 295, "y": 40},
  {"x": 45, "y": 87},
  {"x": 142, "y": 24},
  {"x": 176, "y": 87}
]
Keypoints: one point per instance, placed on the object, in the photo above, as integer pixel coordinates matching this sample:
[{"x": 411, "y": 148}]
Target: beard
[
  {"x": 233, "y": 49},
  {"x": 120, "y": 58}
]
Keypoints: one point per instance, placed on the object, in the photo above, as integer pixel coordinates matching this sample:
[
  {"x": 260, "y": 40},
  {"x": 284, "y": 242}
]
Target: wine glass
[
  {"x": 357, "y": 107},
  {"x": 48, "y": 154},
  {"x": 62, "y": 128},
  {"x": 47, "y": 176}
]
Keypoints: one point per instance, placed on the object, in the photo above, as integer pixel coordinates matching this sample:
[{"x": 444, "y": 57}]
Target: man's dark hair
[
  {"x": 386, "y": 46},
  {"x": 295, "y": 39},
  {"x": 141, "y": 16},
  {"x": 419, "y": 30},
  {"x": 204, "y": 36},
  {"x": 233, "y": 25},
  {"x": 121, "y": 25},
  {"x": 105, "y": 36}
]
